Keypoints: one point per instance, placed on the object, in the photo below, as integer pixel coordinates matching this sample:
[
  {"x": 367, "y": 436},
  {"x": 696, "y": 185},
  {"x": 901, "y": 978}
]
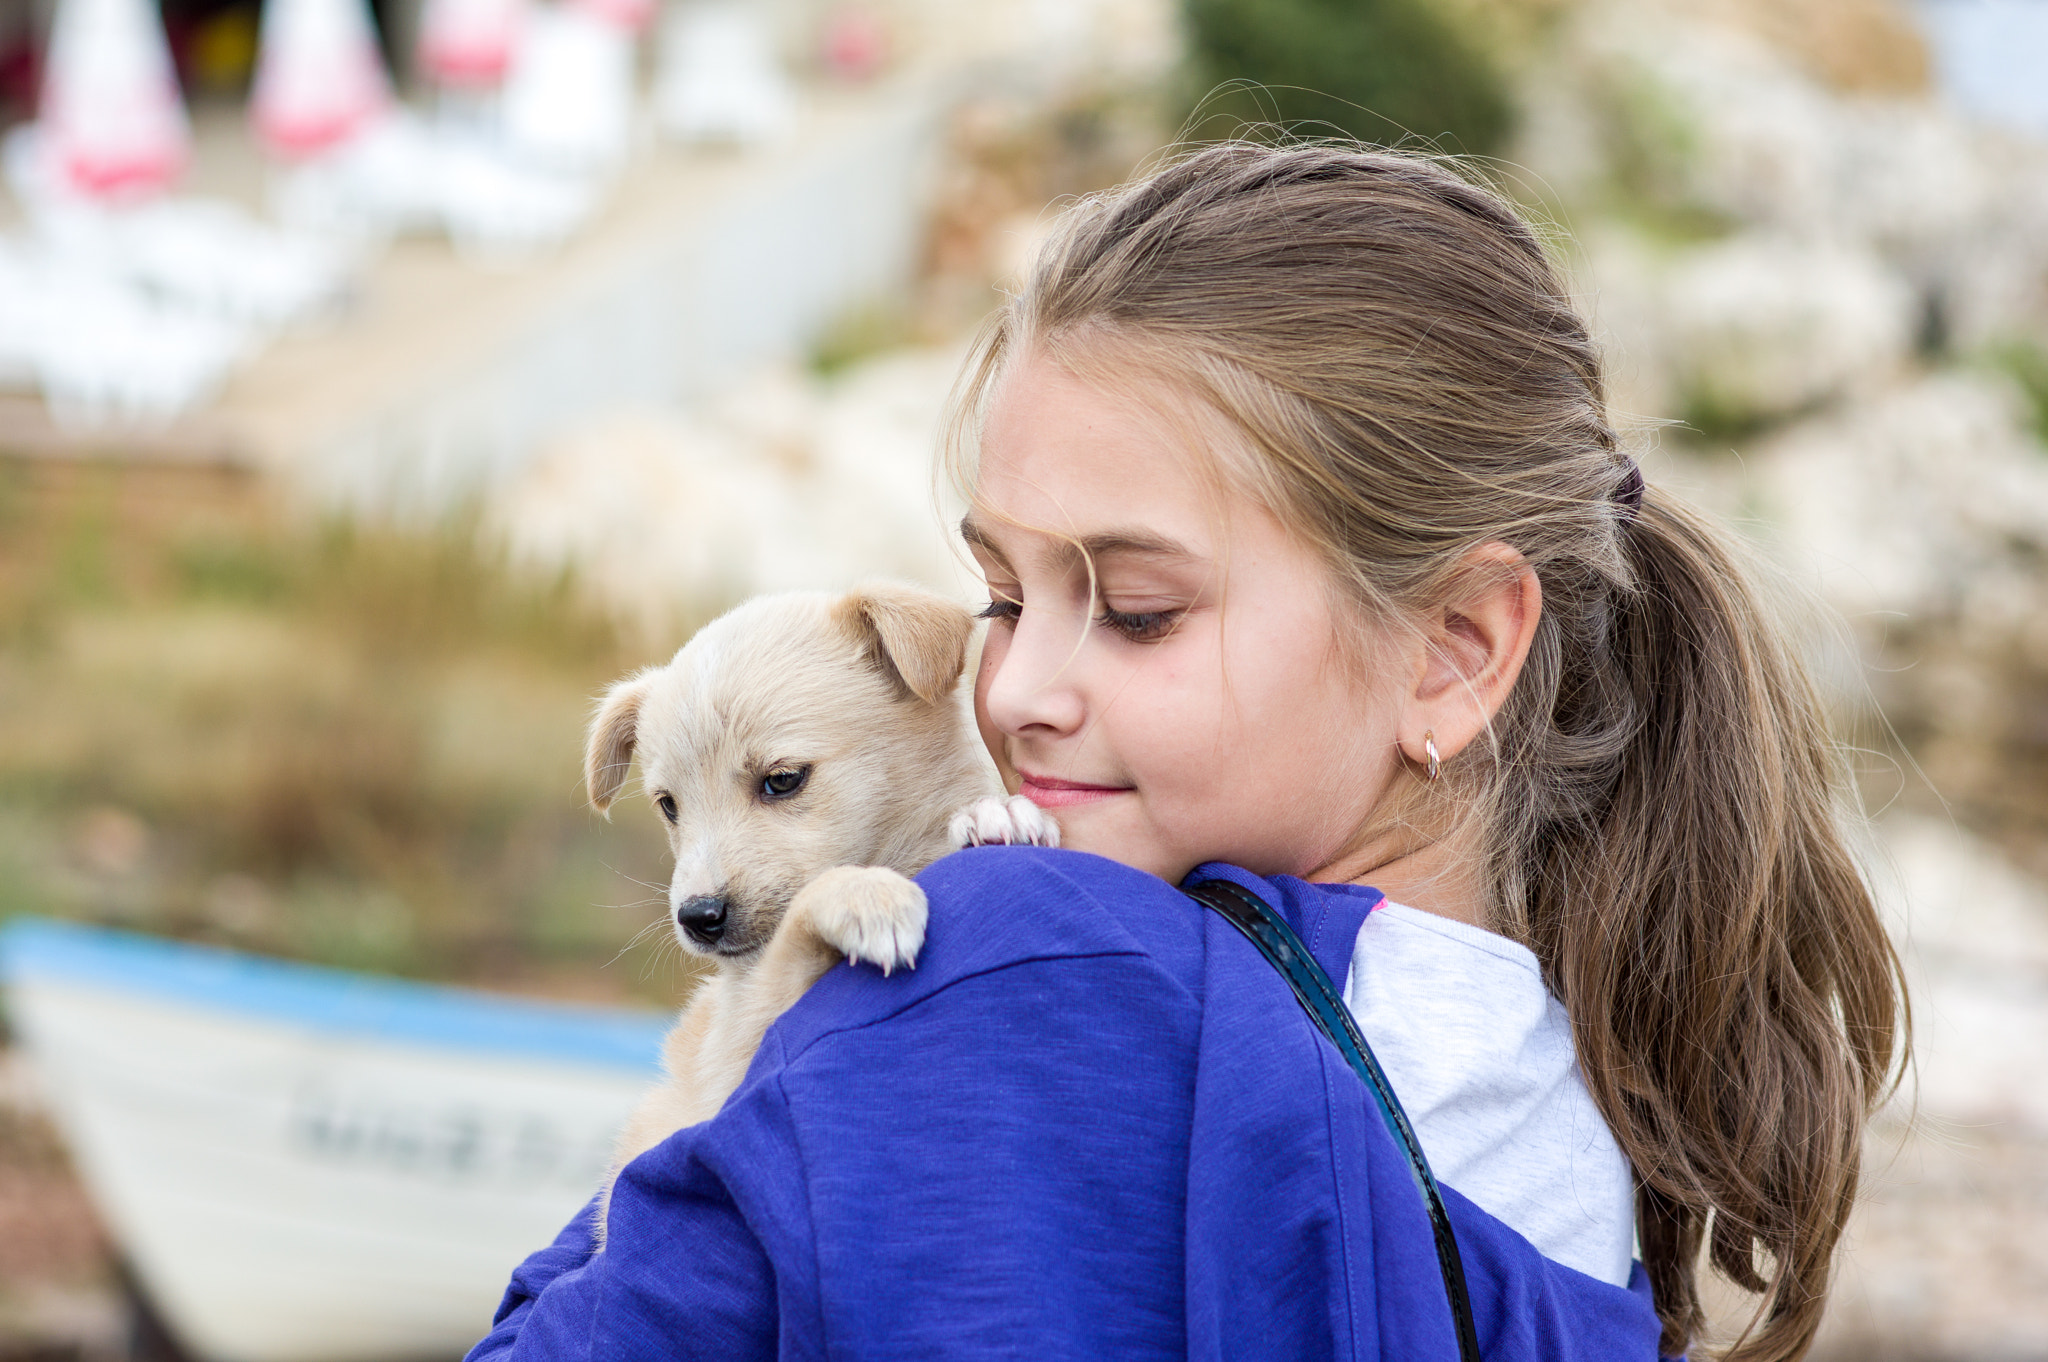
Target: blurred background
[{"x": 378, "y": 380}]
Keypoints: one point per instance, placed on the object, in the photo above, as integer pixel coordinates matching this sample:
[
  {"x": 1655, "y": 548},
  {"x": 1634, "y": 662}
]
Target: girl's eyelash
[
  {"x": 1143, "y": 627},
  {"x": 1146, "y": 627}
]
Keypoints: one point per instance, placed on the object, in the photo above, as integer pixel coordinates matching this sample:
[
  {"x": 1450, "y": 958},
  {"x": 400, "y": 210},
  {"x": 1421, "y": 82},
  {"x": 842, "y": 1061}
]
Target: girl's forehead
[
  {"x": 1064, "y": 457},
  {"x": 1002, "y": 538}
]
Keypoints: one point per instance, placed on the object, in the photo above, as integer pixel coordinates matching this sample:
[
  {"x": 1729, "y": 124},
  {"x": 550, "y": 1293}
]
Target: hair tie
[{"x": 1629, "y": 496}]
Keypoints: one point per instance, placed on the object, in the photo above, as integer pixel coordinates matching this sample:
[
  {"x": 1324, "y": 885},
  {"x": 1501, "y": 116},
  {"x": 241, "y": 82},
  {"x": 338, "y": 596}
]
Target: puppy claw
[
  {"x": 995, "y": 820},
  {"x": 866, "y": 913}
]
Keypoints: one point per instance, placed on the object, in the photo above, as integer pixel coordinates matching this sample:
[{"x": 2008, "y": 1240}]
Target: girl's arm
[
  {"x": 564, "y": 1258},
  {"x": 684, "y": 1276}
]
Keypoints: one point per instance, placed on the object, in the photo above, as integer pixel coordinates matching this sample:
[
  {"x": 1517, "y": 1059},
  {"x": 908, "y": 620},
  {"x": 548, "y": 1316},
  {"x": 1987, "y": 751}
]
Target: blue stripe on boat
[{"x": 328, "y": 1000}]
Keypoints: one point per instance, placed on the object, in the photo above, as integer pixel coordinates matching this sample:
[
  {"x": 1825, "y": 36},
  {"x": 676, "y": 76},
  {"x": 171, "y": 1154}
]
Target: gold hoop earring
[{"x": 1436, "y": 761}]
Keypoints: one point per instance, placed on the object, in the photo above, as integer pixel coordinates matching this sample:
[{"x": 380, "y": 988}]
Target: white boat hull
[{"x": 309, "y": 1188}]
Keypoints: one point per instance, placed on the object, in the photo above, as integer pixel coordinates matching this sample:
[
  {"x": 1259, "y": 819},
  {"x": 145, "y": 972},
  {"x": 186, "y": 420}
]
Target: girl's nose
[{"x": 1036, "y": 680}]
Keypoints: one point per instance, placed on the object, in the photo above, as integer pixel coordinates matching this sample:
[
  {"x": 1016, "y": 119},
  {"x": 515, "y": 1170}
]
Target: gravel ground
[{"x": 58, "y": 1292}]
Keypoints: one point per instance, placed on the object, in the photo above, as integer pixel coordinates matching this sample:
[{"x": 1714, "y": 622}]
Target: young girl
[{"x": 1313, "y": 565}]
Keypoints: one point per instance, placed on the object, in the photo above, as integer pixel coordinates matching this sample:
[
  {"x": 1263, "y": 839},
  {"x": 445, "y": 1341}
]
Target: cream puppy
[{"x": 807, "y": 752}]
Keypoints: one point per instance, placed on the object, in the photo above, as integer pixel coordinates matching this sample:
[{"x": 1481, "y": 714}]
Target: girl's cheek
[
  {"x": 995, "y": 645},
  {"x": 991, "y": 736}
]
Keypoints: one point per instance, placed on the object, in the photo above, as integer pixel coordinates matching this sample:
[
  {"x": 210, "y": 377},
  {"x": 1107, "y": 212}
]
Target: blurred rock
[
  {"x": 786, "y": 483},
  {"x": 238, "y": 904},
  {"x": 1760, "y": 328},
  {"x": 651, "y": 508},
  {"x": 1681, "y": 116},
  {"x": 1864, "y": 46},
  {"x": 1946, "y": 1257},
  {"x": 1973, "y": 929},
  {"x": 111, "y": 842},
  {"x": 1931, "y": 501}
]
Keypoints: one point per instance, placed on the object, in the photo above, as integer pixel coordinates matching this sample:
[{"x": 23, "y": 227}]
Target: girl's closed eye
[{"x": 1140, "y": 626}]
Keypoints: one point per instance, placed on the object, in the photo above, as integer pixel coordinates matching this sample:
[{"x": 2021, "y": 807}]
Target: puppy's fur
[{"x": 850, "y": 701}]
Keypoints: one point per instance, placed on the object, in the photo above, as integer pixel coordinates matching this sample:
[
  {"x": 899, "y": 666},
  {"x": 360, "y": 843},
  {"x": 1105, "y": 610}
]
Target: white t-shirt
[{"x": 1481, "y": 1057}]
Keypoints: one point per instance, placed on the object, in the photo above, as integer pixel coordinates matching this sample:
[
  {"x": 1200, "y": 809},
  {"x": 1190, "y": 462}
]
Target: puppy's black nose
[{"x": 703, "y": 918}]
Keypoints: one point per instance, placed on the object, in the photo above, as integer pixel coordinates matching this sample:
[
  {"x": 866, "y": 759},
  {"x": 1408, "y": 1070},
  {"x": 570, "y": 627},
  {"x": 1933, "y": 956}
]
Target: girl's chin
[{"x": 1100, "y": 836}]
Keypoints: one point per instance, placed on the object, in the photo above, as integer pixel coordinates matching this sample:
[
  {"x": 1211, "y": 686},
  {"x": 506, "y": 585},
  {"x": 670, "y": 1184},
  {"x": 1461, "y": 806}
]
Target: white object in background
[
  {"x": 717, "y": 78},
  {"x": 569, "y": 96},
  {"x": 305, "y": 1165},
  {"x": 401, "y": 176},
  {"x": 104, "y": 354},
  {"x": 320, "y": 80},
  {"x": 499, "y": 211},
  {"x": 18, "y": 328},
  {"x": 111, "y": 123},
  {"x": 468, "y": 44},
  {"x": 209, "y": 256},
  {"x": 381, "y": 182}
]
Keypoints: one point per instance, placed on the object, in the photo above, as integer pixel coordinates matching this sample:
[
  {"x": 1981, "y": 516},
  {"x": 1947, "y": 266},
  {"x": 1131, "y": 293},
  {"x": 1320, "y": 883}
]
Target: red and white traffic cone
[
  {"x": 111, "y": 125},
  {"x": 630, "y": 16},
  {"x": 468, "y": 44},
  {"x": 320, "y": 80}
]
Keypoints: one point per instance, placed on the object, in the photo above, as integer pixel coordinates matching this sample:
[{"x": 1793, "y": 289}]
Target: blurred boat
[{"x": 308, "y": 1165}]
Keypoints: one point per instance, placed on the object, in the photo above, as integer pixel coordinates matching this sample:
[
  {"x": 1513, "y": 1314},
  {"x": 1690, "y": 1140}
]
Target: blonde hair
[{"x": 1658, "y": 798}]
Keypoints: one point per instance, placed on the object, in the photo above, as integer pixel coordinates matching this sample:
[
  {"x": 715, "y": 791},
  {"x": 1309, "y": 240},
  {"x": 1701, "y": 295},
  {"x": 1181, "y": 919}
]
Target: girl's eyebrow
[
  {"x": 1128, "y": 542},
  {"x": 976, "y": 537}
]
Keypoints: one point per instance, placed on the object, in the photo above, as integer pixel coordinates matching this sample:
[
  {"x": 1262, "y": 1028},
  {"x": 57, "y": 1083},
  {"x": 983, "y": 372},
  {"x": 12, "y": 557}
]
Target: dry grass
[{"x": 357, "y": 746}]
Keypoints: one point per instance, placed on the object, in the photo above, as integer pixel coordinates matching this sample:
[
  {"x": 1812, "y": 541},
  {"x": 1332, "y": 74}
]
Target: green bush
[
  {"x": 1386, "y": 71},
  {"x": 2026, "y": 363}
]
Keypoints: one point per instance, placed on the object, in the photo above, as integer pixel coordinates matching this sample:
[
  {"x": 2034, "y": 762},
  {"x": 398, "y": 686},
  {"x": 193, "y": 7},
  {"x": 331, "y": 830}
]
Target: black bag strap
[{"x": 1275, "y": 940}]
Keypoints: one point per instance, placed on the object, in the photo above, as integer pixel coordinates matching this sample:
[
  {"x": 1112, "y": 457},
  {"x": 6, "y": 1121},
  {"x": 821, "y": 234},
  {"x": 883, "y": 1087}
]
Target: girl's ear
[
  {"x": 1473, "y": 651},
  {"x": 917, "y": 639},
  {"x": 608, "y": 753}
]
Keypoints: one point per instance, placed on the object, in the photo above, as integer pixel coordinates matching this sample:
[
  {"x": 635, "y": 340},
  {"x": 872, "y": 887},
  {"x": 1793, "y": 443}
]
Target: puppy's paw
[
  {"x": 994, "y": 820},
  {"x": 865, "y": 913}
]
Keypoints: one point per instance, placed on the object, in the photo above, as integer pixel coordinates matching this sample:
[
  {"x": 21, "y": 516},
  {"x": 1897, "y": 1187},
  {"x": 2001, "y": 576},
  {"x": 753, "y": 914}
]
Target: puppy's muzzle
[{"x": 703, "y": 918}]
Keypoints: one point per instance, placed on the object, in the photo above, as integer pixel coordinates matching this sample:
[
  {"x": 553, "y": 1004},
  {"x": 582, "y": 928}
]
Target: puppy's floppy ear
[
  {"x": 608, "y": 753},
  {"x": 917, "y": 639}
]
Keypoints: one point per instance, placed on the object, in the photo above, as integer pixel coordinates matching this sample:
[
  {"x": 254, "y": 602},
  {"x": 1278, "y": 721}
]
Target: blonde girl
[
  {"x": 1314, "y": 566},
  {"x": 1392, "y": 368}
]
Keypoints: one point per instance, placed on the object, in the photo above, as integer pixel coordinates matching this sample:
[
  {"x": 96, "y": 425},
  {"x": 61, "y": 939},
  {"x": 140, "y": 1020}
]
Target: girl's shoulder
[{"x": 996, "y": 909}]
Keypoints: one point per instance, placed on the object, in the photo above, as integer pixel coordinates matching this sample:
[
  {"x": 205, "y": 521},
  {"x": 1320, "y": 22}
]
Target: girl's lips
[{"x": 1049, "y": 793}]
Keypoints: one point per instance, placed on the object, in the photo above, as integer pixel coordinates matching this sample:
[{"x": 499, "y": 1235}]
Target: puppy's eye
[
  {"x": 784, "y": 781},
  {"x": 667, "y": 805}
]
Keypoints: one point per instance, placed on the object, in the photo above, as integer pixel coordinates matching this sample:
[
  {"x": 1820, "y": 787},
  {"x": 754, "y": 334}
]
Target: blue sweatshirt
[{"x": 1092, "y": 1123}]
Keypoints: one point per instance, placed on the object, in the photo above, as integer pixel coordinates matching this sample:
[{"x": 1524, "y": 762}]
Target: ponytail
[{"x": 1734, "y": 997}]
